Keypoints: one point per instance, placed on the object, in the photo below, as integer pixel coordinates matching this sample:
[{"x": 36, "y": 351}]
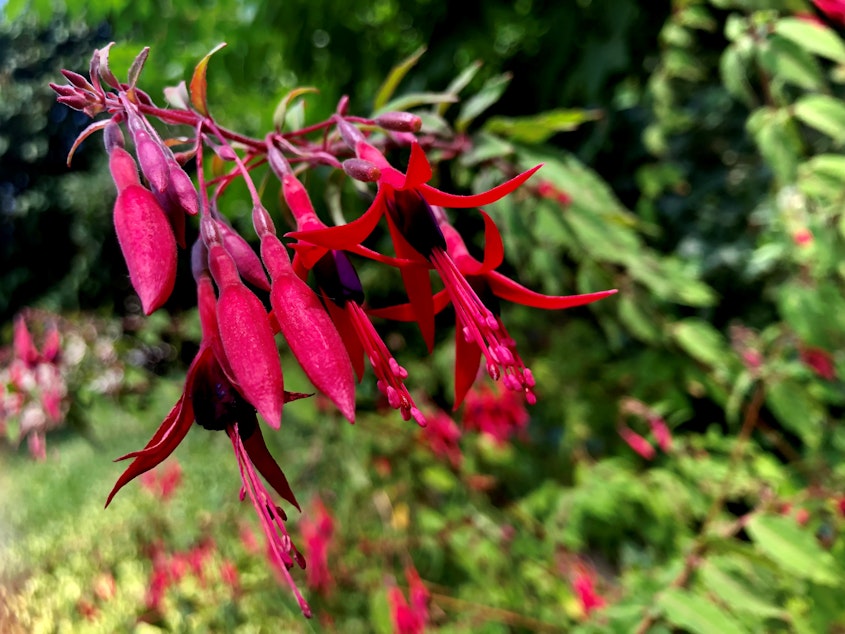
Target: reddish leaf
[{"x": 198, "y": 82}]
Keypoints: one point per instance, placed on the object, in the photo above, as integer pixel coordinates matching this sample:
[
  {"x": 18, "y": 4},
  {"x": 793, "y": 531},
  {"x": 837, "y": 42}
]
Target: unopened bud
[
  {"x": 262, "y": 222},
  {"x": 152, "y": 159},
  {"x": 278, "y": 162},
  {"x": 343, "y": 105},
  {"x": 124, "y": 171},
  {"x": 77, "y": 102},
  {"x": 63, "y": 90},
  {"x": 113, "y": 136},
  {"x": 399, "y": 121},
  {"x": 77, "y": 80},
  {"x": 350, "y": 133},
  {"x": 181, "y": 189},
  {"x": 361, "y": 170}
]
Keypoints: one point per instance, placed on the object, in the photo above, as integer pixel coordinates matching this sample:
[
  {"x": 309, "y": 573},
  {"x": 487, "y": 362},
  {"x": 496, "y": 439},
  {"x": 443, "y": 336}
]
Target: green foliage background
[{"x": 718, "y": 139}]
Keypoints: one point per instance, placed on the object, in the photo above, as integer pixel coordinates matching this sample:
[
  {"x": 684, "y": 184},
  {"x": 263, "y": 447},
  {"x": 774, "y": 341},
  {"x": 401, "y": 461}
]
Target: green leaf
[
  {"x": 823, "y": 176},
  {"x": 733, "y": 66},
  {"x": 696, "y": 614},
  {"x": 793, "y": 548},
  {"x": 735, "y": 594},
  {"x": 797, "y": 410},
  {"x": 701, "y": 341},
  {"x": 813, "y": 37},
  {"x": 489, "y": 94},
  {"x": 824, "y": 113},
  {"x": 394, "y": 77},
  {"x": 540, "y": 127},
  {"x": 459, "y": 83},
  {"x": 790, "y": 63},
  {"x": 199, "y": 86},
  {"x": 280, "y": 114},
  {"x": 415, "y": 99},
  {"x": 778, "y": 140}
]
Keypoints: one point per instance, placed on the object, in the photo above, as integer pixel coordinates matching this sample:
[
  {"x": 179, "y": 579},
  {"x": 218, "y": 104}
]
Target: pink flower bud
[
  {"x": 52, "y": 345},
  {"x": 113, "y": 136},
  {"x": 152, "y": 159},
  {"x": 361, "y": 170},
  {"x": 399, "y": 121},
  {"x": 248, "y": 263},
  {"x": 181, "y": 189},
  {"x": 350, "y": 133},
  {"x": 124, "y": 170},
  {"x": 77, "y": 102},
  {"x": 77, "y": 80},
  {"x": 148, "y": 245},
  {"x": 308, "y": 329},
  {"x": 246, "y": 335}
]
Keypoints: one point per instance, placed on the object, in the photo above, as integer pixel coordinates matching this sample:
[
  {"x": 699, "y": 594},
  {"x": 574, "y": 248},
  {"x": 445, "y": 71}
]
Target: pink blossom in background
[
  {"x": 496, "y": 412},
  {"x": 584, "y": 586},
  {"x": 834, "y": 9},
  {"x": 661, "y": 432},
  {"x": 637, "y": 442},
  {"x": 819, "y": 361},
  {"x": 409, "y": 617},
  {"x": 317, "y": 531},
  {"x": 162, "y": 482},
  {"x": 442, "y": 435}
]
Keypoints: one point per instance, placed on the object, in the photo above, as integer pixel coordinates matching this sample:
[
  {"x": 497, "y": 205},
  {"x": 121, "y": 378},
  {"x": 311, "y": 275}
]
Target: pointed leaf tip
[{"x": 199, "y": 85}]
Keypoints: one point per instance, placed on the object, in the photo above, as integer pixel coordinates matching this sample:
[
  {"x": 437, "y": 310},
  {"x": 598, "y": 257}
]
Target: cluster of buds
[
  {"x": 631, "y": 407},
  {"x": 32, "y": 388},
  {"x": 327, "y": 326}
]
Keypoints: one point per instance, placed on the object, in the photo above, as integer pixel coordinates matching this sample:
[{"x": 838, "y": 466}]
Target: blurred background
[{"x": 682, "y": 470}]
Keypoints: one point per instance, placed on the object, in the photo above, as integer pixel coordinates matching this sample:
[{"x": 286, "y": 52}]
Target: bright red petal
[
  {"x": 419, "y": 169},
  {"x": 467, "y": 358},
  {"x": 505, "y": 288},
  {"x": 346, "y": 236},
  {"x": 267, "y": 465},
  {"x": 494, "y": 251},
  {"x": 436, "y": 197}
]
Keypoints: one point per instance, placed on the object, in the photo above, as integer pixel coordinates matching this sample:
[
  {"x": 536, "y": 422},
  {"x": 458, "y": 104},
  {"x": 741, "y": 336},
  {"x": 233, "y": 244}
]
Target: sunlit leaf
[
  {"x": 814, "y": 37},
  {"x": 199, "y": 86},
  {"x": 540, "y": 127},
  {"x": 696, "y": 614},
  {"x": 794, "y": 548},
  {"x": 280, "y": 114},
  {"x": 824, "y": 113}
]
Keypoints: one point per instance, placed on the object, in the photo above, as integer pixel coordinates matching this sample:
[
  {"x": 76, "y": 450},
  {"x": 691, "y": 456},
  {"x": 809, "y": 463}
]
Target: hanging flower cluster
[{"x": 327, "y": 327}]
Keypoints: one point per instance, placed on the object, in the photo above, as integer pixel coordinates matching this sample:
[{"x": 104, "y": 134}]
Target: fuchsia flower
[
  {"x": 403, "y": 199},
  {"x": 215, "y": 400},
  {"x": 425, "y": 239},
  {"x": 343, "y": 297}
]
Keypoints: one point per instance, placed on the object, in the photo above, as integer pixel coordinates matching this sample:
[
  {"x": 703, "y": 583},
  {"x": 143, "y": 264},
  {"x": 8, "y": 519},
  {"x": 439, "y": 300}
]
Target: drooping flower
[
  {"x": 212, "y": 400},
  {"x": 344, "y": 298},
  {"x": 402, "y": 199},
  {"x": 474, "y": 288}
]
